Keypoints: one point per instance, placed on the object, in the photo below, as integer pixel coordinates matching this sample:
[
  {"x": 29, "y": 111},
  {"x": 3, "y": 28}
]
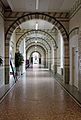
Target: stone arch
[
  {"x": 39, "y": 44},
  {"x": 42, "y": 40},
  {"x": 37, "y": 52},
  {"x": 45, "y": 17},
  {"x": 34, "y": 31},
  {"x": 74, "y": 31},
  {"x": 18, "y": 44},
  {"x": 48, "y": 52},
  {"x": 30, "y": 16},
  {"x": 42, "y": 50}
]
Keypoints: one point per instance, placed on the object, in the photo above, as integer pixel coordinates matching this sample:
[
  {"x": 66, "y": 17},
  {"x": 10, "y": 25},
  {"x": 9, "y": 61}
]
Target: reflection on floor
[{"x": 37, "y": 96}]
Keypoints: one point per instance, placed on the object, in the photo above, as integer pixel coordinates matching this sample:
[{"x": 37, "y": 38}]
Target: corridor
[{"x": 38, "y": 96}]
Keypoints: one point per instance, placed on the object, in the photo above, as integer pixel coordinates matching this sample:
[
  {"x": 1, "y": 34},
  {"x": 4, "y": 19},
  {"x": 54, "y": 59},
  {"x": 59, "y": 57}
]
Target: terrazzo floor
[{"x": 37, "y": 96}]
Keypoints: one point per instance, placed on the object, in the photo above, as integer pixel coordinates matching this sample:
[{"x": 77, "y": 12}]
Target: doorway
[{"x": 35, "y": 59}]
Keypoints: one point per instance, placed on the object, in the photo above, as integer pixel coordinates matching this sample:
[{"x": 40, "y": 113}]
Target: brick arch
[
  {"x": 31, "y": 16},
  {"x": 45, "y": 17},
  {"x": 37, "y": 52},
  {"x": 45, "y": 43},
  {"x": 38, "y": 32},
  {"x": 39, "y": 44},
  {"x": 73, "y": 32},
  {"x": 25, "y": 34},
  {"x": 41, "y": 50}
]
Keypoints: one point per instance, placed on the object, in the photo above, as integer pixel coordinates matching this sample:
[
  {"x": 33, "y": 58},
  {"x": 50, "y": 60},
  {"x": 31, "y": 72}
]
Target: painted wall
[
  {"x": 75, "y": 21},
  {"x": 73, "y": 45},
  {"x": 60, "y": 51},
  {"x": 52, "y": 59},
  {"x": 1, "y": 49},
  {"x": 75, "y": 41},
  {"x": 13, "y": 46},
  {"x": 23, "y": 52},
  {"x": 12, "y": 51}
]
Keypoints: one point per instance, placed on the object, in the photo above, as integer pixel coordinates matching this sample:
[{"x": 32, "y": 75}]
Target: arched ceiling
[
  {"x": 36, "y": 52},
  {"x": 42, "y": 46},
  {"x": 39, "y": 16},
  {"x": 37, "y": 34},
  {"x": 36, "y": 47},
  {"x": 38, "y": 40},
  {"x": 39, "y": 49},
  {"x": 31, "y": 24}
]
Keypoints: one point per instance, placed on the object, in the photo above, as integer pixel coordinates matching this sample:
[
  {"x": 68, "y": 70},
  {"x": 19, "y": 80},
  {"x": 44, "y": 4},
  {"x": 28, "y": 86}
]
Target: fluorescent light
[
  {"x": 37, "y": 4},
  {"x": 35, "y": 41},
  {"x": 36, "y": 27}
]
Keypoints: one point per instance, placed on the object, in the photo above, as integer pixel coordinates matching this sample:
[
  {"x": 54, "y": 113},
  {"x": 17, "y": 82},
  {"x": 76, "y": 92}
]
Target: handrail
[{"x": 13, "y": 72}]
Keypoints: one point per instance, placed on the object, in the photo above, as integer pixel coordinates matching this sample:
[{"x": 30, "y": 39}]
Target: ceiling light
[
  {"x": 37, "y": 4},
  {"x": 35, "y": 41},
  {"x": 36, "y": 27}
]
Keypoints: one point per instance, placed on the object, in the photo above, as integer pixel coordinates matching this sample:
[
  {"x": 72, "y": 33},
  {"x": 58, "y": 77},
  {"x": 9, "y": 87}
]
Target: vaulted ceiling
[
  {"x": 43, "y": 5},
  {"x": 31, "y": 24}
]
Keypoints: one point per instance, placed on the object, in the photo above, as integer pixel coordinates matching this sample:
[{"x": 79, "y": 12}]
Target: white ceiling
[
  {"x": 31, "y": 24},
  {"x": 44, "y": 5}
]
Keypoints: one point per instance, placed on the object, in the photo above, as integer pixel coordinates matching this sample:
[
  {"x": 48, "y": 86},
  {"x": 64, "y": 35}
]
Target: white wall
[
  {"x": 12, "y": 50},
  {"x": 60, "y": 51},
  {"x": 52, "y": 59},
  {"x": 2, "y": 49},
  {"x": 75, "y": 21},
  {"x": 23, "y": 52},
  {"x": 13, "y": 46},
  {"x": 74, "y": 44}
]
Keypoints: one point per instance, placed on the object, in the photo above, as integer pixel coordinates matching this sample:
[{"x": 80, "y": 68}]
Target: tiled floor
[
  {"x": 72, "y": 90},
  {"x": 5, "y": 89},
  {"x": 37, "y": 96}
]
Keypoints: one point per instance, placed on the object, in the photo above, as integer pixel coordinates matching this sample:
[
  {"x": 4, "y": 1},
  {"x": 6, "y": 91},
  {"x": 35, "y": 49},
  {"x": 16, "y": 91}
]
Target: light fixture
[
  {"x": 37, "y": 4},
  {"x": 36, "y": 27},
  {"x": 35, "y": 41}
]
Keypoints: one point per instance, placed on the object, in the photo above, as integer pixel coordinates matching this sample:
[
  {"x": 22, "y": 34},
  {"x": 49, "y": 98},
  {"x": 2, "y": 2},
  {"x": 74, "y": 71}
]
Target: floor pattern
[{"x": 37, "y": 96}]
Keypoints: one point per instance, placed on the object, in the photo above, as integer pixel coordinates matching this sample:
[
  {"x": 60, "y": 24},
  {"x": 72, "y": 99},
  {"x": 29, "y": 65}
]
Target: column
[
  {"x": 49, "y": 59},
  {"x": 55, "y": 60},
  {"x": 79, "y": 58},
  {"x": 46, "y": 60},
  {"x": 7, "y": 64},
  {"x": 66, "y": 62}
]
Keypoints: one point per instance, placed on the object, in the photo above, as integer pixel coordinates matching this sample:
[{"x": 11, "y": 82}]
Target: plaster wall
[
  {"x": 75, "y": 21},
  {"x": 73, "y": 45},
  {"x": 75, "y": 41},
  {"x": 23, "y": 52}
]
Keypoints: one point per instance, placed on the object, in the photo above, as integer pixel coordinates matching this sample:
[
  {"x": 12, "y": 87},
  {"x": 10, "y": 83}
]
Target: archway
[
  {"x": 35, "y": 58},
  {"x": 48, "y": 18},
  {"x": 39, "y": 49}
]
